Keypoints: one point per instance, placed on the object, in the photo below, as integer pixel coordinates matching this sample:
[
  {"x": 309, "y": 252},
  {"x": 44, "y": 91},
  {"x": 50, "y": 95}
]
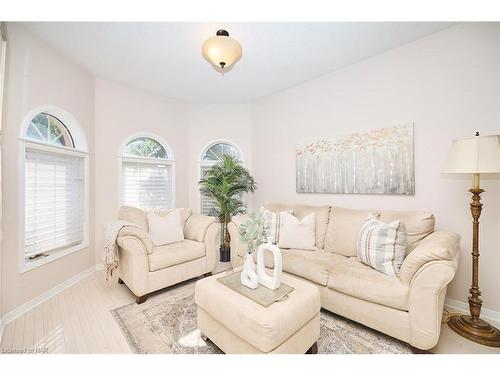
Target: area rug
[{"x": 166, "y": 323}]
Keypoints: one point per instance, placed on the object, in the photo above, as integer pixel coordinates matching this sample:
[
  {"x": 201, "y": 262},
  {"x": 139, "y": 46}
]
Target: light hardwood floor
[{"x": 78, "y": 320}]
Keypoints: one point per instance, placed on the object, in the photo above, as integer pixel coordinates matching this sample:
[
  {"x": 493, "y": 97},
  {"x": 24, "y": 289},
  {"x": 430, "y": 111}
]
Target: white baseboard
[
  {"x": 463, "y": 307},
  {"x": 24, "y": 308}
]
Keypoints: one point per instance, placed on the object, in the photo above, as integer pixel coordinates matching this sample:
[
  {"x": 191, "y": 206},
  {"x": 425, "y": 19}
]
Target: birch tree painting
[{"x": 376, "y": 162}]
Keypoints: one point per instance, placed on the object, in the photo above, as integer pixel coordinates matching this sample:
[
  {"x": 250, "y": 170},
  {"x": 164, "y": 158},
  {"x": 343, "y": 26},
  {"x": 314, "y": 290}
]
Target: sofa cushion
[
  {"x": 382, "y": 246},
  {"x": 321, "y": 214},
  {"x": 185, "y": 213},
  {"x": 310, "y": 265},
  {"x": 419, "y": 224},
  {"x": 134, "y": 215},
  {"x": 343, "y": 229},
  {"x": 176, "y": 253},
  {"x": 440, "y": 245},
  {"x": 297, "y": 233},
  {"x": 360, "y": 281}
]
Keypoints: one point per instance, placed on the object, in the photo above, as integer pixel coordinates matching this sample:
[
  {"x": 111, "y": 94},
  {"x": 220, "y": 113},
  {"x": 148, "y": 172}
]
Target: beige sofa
[
  {"x": 145, "y": 268},
  {"x": 408, "y": 307}
]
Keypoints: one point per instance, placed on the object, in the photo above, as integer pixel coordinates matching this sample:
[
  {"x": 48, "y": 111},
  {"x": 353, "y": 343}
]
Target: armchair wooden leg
[
  {"x": 207, "y": 274},
  {"x": 313, "y": 349},
  {"x": 120, "y": 281},
  {"x": 141, "y": 299}
]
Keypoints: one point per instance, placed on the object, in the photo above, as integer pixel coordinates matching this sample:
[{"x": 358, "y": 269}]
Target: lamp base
[{"x": 480, "y": 331}]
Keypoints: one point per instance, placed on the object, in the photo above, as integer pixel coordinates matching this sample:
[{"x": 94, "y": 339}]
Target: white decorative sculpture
[
  {"x": 248, "y": 276},
  {"x": 271, "y": 282}
]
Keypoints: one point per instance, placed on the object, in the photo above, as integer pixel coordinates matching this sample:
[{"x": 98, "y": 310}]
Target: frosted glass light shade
[
  {"x": 221, "y": 51},
  {"x": 479, "y": 154}
]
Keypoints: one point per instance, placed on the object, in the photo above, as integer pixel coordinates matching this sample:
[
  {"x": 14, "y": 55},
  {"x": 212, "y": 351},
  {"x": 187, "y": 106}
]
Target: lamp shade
[
  {"x": 221, "y": 51},
  {"x": 480, "y": 154}
]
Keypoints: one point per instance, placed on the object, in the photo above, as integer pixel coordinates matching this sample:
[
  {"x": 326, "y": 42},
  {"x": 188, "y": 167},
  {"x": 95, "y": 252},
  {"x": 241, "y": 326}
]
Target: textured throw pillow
[
  {"x": 273, "y": 222},
  {"x": 297, "y": 234},
  {"x": 165, "y": 229},
  {"x": 382, "y": 246}
]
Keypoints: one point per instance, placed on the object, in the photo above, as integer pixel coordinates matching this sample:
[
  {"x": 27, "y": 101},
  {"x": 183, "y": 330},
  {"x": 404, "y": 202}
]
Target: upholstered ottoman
[{"x": 239, "y": 325}]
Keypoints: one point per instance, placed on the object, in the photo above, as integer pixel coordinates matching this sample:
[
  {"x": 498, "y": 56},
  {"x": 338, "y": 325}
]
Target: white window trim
[
  {"x": 208, "y": 163},
  {"x": 138, "y": 159},
  {"x": 79, "y": 150}
]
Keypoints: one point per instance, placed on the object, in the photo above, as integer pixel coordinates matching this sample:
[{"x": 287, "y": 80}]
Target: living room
[{"x": 249, "y": 187}]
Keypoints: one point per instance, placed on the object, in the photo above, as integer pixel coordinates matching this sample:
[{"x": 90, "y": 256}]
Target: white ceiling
[{"x": 165, "y": 58}]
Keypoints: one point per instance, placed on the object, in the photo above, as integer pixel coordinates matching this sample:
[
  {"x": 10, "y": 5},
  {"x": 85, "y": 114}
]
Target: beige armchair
[{"x": 145, "y": 268}]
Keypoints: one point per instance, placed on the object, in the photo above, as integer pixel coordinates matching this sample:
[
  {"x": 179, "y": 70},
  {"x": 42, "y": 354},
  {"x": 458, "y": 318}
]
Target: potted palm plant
[{"x": 227, "y": 182}]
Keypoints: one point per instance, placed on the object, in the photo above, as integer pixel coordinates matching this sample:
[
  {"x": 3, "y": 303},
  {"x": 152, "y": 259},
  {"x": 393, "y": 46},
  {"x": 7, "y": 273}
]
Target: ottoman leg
[{"x": 313, "y": 349}]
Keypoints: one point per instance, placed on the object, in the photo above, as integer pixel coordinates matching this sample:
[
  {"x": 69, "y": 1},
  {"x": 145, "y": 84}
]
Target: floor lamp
[{"x": 476, "y": 155}]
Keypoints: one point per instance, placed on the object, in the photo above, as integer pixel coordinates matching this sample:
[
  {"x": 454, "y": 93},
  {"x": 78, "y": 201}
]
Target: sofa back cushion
[
  {"x": 343, "y": 229},
  {"x": 185, "y": 213},
  {"x": 134, "y": 215},
  {"x": 321, "y": 214},
  {"x": 419, "y": 224}
]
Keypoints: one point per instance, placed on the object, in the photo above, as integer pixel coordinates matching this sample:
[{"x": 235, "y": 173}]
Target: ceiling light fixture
[{"x": 221, "y": 51}]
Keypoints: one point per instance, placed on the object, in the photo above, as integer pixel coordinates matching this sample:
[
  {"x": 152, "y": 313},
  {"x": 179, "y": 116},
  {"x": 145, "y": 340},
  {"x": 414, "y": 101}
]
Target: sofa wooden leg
[
  {"x": 120, "y": 281},
  {"x": 141, "y": 299},
  {"x": 207, "y": 274},
  {"x": 313, "y": 349}
]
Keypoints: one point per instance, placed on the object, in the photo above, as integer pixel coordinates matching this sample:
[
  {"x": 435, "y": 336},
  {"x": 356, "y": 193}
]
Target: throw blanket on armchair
[{"x": 110, "y": 253}]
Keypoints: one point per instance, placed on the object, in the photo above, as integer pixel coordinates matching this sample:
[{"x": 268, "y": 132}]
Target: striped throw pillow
[
  {"x": 274, "y": 222},
  {"x": 382, "y": 246}
]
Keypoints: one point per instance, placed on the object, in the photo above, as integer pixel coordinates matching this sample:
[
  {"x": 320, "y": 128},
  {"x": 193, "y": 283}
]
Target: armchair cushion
[
  {"x": 134, "y": 215},
  {"x": 139, "y": 233},
  {"x": 175, "y": 253},
  {"x": 165, "y": 229},
  {"x": 440, "y": 245},
  {"x": 196, "y": 226}
]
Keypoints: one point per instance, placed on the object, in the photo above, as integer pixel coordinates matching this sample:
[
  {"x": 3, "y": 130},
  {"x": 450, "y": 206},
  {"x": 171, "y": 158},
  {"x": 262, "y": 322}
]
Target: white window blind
[
  {"x": 206, "y": 202},
  {"x": 147, "y": 185},
  {"x": 54, "y": 201}
]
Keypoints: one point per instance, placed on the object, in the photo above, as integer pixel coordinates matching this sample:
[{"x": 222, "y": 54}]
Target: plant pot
[{"x": 225, "y": 254}]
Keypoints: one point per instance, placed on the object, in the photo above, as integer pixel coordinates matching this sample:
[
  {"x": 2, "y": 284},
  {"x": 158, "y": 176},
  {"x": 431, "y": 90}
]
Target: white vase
[
  {"x": 271, "y": 282},
  {"x": 248, "y": 276}
]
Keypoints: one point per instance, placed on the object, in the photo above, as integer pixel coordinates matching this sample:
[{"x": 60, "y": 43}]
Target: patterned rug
[{"x": 166, "y": 323}]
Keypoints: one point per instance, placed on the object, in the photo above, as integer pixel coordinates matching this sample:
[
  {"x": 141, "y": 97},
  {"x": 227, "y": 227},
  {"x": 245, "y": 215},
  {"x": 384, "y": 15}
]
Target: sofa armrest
[
  {"x": 426, "y": 300},
  {"x": 439, "y": 245},
  {"x": 237, "y": 247},
  {"x": 140, "y": 234},
  {"x": 196, "y": 227}
]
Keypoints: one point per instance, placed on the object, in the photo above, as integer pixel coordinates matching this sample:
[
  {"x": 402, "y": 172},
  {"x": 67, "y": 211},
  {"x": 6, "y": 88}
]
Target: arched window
[
  {"x": 147, "y": 173},
  {"x": 55, "y": 187},
  {"x": 212, "y": 154}
]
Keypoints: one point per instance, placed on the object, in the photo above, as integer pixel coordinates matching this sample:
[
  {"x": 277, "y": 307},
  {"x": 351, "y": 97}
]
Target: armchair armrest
[
  {"x": 439, "y": 245},
  {"x": 133, "y": 264},
  {"x": 140, "y": 234}
]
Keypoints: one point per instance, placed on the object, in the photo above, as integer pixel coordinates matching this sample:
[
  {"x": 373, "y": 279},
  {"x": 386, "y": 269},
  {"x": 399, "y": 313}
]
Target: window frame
[
  {"x": 146, "y": 160},
  {"x": 80, "y": 150},
  {"x": 207, "y": 163}
]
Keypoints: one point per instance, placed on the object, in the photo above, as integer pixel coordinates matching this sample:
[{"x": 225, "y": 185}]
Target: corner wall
[
  {"x": 448, "y": 84},
  {"x": 39, "y": 75}
]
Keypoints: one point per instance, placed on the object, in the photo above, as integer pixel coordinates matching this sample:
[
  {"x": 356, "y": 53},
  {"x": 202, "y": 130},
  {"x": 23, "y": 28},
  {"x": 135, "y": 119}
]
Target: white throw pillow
[
  {"x": 165, "y": 229},
  {"x": 382, "y": 246},
  {"x": 297, "y": 234},
  {"x": 273, "y": 223}
]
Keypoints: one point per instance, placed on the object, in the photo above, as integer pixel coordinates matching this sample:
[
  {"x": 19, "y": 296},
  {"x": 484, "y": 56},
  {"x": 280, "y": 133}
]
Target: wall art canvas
[{"x": 375, "y": 162}]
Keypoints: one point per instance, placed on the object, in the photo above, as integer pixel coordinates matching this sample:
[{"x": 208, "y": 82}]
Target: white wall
[
  {"x": 38, "y": 75},
  {"x": 121, "y": 112},
  {"x": 448, "y": 84},
  {"x": 209, "y": 123}
]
